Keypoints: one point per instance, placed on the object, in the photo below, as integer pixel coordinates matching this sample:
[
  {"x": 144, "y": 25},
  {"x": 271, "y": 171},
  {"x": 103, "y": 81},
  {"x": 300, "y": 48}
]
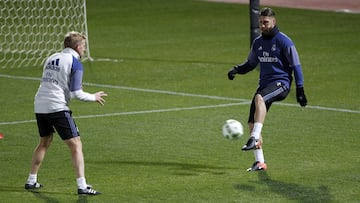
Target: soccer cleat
[
  {"x": 33, "y": 186},
  {"x": 88, "y": 191},
  {"x": 257, "y": 166},
  {"x": 252, "y": 143}
]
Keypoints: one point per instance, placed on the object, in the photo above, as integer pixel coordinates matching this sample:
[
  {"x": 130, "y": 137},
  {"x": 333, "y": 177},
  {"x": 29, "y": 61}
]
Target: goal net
[{"x": 31, "y": 30}]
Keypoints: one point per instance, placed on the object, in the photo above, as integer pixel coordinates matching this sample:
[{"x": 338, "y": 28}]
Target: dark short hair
[{"x": 267, "y": 12}]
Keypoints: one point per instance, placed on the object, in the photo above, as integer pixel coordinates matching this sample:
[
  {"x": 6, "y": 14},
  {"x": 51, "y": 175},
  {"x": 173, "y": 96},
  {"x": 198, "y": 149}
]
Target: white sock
[
  {"x": 32, "y": 179},
  {"x": 81, "y": 182},
  {"x": 259, "y": 155},
  {"x": 257, "y": 130}
]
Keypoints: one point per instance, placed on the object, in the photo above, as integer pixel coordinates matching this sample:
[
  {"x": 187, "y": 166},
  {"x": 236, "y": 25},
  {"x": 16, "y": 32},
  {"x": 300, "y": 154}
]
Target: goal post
[
  {"x": 31, "y": 30},
  {"x": 254, "y": 9}
]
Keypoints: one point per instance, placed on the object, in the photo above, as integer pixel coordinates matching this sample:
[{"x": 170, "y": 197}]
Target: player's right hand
[
  {"x": 300, "y": 95},
  {"x": 232, "y": 73}
]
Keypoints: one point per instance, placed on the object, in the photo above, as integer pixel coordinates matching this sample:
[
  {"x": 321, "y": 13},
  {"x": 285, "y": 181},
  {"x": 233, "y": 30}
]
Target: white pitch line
[
  {"x": 19, "y": 77},
  {"x": 188, "y": 94},
  {"x": 166, "y": 92},
  {"x": 139, "y": 89},
  {"x": 318, "y": 108},
  {"x": 165, "y": 110},
  {"x": 138, "y": 112}
]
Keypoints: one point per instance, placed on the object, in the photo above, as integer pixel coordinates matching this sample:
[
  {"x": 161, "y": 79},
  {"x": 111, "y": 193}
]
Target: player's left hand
[
  {"x": 99, "y": 97},
  {"x": 231, "y": 74},
  {"x": 300, "y": 96}
]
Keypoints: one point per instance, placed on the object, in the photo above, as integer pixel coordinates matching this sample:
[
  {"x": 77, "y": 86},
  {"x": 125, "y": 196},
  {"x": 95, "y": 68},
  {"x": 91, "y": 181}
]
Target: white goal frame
[{"x": 31, "y": 30}]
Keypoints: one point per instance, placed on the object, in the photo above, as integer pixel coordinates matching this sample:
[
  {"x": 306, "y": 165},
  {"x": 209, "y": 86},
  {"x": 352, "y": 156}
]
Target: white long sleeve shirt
[{"x": 61, "y": 80}]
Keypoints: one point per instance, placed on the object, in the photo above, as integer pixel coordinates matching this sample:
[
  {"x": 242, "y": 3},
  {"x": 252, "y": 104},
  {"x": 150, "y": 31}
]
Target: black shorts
[
  {"x": 270, "y": 94},
  {"x": 62, "y": 121}
]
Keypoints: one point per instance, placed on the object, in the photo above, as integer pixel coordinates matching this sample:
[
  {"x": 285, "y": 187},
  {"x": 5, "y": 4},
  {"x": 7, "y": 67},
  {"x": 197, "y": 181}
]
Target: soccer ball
[{"x": 232, "y": 129}]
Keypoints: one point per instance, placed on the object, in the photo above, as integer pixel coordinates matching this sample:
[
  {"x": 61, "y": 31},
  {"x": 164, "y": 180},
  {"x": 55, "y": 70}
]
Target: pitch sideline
[
  {"x": 239, "y": 101},
  {"x": 138, "y": 112}
]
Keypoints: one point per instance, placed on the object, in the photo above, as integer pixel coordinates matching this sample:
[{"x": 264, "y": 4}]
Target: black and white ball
[{"x": 232, "y": 129}]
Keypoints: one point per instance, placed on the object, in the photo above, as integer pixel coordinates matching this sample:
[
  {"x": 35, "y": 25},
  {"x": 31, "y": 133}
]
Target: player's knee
[
  {"x": 259, "y": 99},
  {"x": 45, "y": 142},
  {"x": 74, "y": 144}
]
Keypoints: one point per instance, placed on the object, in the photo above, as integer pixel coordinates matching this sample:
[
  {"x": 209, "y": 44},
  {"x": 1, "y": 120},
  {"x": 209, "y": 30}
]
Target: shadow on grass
[
  {"x": 177, "y": 168},
  {"x": 291, "y": 191},
  {"x": 43, "y": 196},
  {"x": 37, "y": 193},
  {"x": 82, "y": 199}
]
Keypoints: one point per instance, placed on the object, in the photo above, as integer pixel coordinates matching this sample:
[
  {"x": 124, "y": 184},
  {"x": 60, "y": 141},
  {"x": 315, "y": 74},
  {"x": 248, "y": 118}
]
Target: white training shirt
[{"x": 61, "y": 80}]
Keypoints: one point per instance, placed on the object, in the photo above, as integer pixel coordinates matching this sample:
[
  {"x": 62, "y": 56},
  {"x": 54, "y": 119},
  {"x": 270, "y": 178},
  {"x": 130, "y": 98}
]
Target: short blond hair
[{"x": 73, "y": 39}]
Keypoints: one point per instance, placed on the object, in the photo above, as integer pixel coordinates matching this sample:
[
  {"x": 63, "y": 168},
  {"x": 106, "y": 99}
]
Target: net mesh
[{"x": 33, "y": 29}]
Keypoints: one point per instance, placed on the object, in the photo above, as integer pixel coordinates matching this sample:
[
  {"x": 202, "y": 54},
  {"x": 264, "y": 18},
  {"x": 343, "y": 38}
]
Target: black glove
[
  {"x": 232, "y": 73},
  {"x": 300, "y": 96}
]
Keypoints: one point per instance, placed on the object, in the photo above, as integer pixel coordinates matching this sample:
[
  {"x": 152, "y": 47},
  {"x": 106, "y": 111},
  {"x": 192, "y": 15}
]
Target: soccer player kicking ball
[
  {"x": 62, "y": 80},
  {"x": 278, "y": 59}
]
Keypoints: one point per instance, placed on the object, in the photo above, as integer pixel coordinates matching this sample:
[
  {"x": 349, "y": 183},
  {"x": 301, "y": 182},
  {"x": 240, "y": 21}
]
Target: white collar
[{"x": 72, "y": 52}]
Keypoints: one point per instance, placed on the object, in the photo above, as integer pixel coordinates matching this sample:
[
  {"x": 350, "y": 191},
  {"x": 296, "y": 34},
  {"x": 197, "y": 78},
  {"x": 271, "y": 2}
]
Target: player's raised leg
[{"x": 259, "y": 110}]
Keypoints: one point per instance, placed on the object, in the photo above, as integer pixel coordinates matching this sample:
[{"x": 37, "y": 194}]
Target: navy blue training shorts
[
  {"x": 270, "y": 94},
  {"x": 62, "y": 121}
]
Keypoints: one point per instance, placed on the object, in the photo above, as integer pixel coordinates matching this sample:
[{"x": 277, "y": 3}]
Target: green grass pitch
[{"x": 158, "y": 138}]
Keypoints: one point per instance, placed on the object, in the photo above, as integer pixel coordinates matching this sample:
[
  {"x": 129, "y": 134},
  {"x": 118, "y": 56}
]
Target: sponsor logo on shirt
[
  {"x": 50, "y": 80},
  {"x": 266, "y": 58},
  {"x": 53, "y": 65}
]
